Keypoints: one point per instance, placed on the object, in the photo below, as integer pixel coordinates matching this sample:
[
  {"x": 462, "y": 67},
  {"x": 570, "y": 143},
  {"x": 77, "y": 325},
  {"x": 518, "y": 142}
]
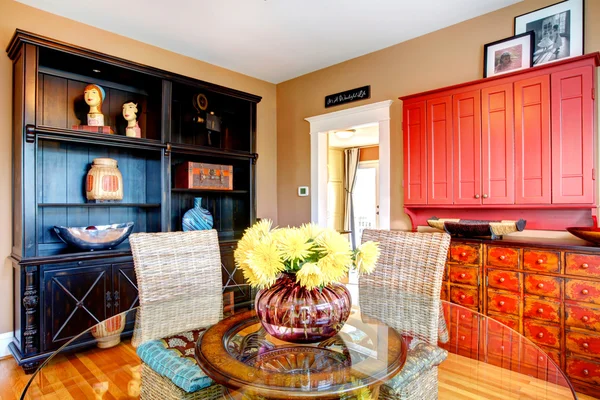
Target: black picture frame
[
  {"x": 558, "y": 30},
  {"x": 520, "y": 54}
]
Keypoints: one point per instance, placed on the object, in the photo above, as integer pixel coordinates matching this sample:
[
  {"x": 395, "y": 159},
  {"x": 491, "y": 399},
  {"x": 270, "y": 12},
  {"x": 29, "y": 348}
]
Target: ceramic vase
[
  {"x": 197, "y": 218},
  {"x": 104, "y": 180},
  {"x": 108, "y": 332},
  {"x": 295, "y": 314}
]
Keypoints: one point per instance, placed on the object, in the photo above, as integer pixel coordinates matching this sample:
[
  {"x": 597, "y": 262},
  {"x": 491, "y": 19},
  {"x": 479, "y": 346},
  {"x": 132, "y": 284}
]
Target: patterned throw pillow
[{"x": 173, "y": 357}]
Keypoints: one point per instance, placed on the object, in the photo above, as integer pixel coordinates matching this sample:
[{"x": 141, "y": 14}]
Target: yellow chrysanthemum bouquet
[{"x": 316, "y": 255}]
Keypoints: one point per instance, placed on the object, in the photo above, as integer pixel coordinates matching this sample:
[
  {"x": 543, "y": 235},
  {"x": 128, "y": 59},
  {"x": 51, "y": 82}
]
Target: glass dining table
[{"x": 485, "y": 358}]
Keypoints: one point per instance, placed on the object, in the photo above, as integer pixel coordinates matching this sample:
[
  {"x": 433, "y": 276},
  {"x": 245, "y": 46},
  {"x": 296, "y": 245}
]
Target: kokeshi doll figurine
[
  {"x": 94, "y": 96},
  {"x": 129, "y": 113}
]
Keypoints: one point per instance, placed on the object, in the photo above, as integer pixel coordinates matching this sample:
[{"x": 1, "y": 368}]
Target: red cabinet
[
  {"x": 415, "y": 160},
  {"x": 466, "y": 113},
  {"x": 439, "y": 150},
  {"x": 497, "y": 145},
  {"x": 532, "y": 140},
  {"x": 572, "y": 135}
]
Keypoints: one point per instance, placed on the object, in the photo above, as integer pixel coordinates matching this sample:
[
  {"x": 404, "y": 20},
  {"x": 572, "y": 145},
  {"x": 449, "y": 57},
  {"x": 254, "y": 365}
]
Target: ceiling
[
  {"x": 365, "y": 135},
  {"x": 273, "y": 40}
]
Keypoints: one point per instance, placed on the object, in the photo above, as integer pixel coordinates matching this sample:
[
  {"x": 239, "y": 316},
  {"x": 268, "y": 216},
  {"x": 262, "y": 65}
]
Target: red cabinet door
[
  {"x": 532, "y": 140},
  {"x": 572, "y": 136},
  {"x": 497, "y": 145},
  {"x": 415, "y": 163},
  {"x": 466, "y": 113},
  {"x": 439, "y": 150}
]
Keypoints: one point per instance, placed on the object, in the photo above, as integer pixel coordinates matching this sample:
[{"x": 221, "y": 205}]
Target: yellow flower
[
  {"x": 253, "y": 279},
  {"x": 293, "y": 244},
  {"x": 332, "y": 269},
  {"x": 366, "y": 257},
  {"x": 309, "y": 276},
  {"x": 332, "y": 242},
  {"x": 311, "y": 231},
  {"x": 265, "y": 260},
  {"x": 260, "y": 229}
]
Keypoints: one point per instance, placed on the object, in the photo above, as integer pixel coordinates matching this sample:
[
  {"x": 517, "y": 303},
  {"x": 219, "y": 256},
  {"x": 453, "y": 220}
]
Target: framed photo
[
  {"x": 508, "y": 55},
  {"x": 557, "y": 31}
]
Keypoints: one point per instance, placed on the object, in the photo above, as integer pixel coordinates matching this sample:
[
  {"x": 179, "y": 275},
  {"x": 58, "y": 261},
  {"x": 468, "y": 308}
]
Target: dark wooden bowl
[{"x": 589, "y": 233}]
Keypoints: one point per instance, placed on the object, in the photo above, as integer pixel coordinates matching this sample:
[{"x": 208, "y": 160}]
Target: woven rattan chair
[
  {"x": 404, "y": 292},
  {"x": 171, "y": 267}
]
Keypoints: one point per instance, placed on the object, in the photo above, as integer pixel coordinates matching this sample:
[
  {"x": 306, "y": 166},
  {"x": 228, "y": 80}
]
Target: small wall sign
[{"x": 348, "y": 96}]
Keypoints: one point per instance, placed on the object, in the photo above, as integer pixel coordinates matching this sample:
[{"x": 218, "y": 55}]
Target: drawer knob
[
  {"x": 540, "y": 335},
  {"x": 540, "y": 310},
  {"x": 585, "y": 345},
  {"x": 462, "y": 297},
  {"x": 476, "y": 196},
  {"x": 463, "y": 316},
  {"x": 501, "y": 280},
  {"x": 501, "y": 303},
  {"x": 462, "y": 338},
  {"x": 584, "y": 266},
  {"x": 584, "y": 292},
  {"x": 585, "y": 372},
  {"x": 540, "y": 261},
  {"x": 463, "y": 254},
  {"x": 541, "y": 358},
  {"x": 585, "y": 318},
  {"x": 502, "y": 258},
  {"x": 463, "y": 276},
  {"x": 485, "y": 196},
  {"x": 540, "y": 285}
]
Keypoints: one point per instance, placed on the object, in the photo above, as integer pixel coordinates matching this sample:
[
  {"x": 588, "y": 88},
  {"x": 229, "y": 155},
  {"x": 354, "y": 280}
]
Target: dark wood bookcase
[{"x": 59, "y": 291}]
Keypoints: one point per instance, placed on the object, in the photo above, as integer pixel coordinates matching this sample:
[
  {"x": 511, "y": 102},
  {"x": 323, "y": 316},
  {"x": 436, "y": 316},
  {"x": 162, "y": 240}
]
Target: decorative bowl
[
  {"x": 101, "y": 237},
  {"x": 589, "y": 233}
]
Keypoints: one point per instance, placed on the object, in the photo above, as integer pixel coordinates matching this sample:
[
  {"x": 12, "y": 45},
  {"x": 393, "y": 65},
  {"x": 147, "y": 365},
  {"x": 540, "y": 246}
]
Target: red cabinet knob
[
  {"x": 585, "y": 318},
  {"x": 463, "y": 254},
  {"x": 540, "y": 335},
  {"x": 585, "y": 372},
  {"x": 501, "y": 280},
  {"x": 463, "y": 316},
  {"x": 501, "y": 303},
  {"x": 540, "y": 285},
  {"x": 476, "y": 196},
  {"x": 540, "y": 261},
  {"x": 585, "y": 345},
  {"x": 462, "y": 297},
  {"x": 462, "y": 338},
  {"x": 584, "y": 291},
  {"x": 501, "y": 347},
  {"x": 463, "y": 276},
  {"x": 541, "y": 358},
  {"x": 485, "y": 196},
  {"x": 540, "y": 310},
  {"x": 584, "y": 266},
  {"x": 502, "y": 257}
]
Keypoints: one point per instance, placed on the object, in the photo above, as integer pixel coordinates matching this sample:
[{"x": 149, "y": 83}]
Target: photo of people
[
  {"x": 508, "y": 59},
  {"x": 552, "y": 41}
]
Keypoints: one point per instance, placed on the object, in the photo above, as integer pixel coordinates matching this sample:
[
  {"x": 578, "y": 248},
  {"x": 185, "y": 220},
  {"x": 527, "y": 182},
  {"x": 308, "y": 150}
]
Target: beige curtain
[{"x": 351, "y": 158}]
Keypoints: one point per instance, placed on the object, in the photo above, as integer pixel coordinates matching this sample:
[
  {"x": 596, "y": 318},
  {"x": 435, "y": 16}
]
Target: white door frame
[{"x": 319, "y": 126}]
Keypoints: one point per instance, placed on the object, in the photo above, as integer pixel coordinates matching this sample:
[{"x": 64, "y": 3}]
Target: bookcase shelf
[{"x": 88, "y": 205}]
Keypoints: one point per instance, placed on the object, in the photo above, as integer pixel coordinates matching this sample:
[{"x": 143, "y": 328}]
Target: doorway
[{"x": 366, "y": 198}]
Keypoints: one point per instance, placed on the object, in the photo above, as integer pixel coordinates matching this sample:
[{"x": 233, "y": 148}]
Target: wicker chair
[
  {"x": 170, "y": 268},
  {"x": 404, "y": 292}
]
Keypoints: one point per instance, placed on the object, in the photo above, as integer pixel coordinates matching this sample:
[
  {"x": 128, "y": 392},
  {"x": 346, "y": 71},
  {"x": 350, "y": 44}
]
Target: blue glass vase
[{"x": 197, "y": 218}]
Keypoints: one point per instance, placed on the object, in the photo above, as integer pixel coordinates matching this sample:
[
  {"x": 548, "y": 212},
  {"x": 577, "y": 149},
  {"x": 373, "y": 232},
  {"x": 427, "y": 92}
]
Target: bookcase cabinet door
[
  {"x": 415, "y": 155},
  {"x": 439, "y": 150}
]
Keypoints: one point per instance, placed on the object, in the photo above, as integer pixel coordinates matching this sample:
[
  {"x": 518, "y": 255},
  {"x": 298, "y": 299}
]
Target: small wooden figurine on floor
[
  {"x": 129, "y": 113},
  {"x": 94, "y": 96}
]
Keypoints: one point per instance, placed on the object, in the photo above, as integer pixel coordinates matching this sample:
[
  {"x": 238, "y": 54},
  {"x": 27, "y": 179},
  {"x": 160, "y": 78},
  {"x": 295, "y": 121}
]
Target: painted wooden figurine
[
  {"x": 94, "y": 96},
  {"x": 129, "y": 113}
]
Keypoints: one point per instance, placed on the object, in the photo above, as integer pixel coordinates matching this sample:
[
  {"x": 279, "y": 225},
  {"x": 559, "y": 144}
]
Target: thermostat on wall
[{"x": 302, "y": 191}]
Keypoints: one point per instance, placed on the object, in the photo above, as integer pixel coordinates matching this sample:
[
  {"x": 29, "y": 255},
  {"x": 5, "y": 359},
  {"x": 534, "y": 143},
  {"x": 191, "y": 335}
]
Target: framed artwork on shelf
[
  {"x": 508, "y": 55},
  {"x": 557, "y": 30}
]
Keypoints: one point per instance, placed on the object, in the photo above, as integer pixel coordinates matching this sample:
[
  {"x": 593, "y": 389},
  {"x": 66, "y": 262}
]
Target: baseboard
[{"x": 5, "y": 339}]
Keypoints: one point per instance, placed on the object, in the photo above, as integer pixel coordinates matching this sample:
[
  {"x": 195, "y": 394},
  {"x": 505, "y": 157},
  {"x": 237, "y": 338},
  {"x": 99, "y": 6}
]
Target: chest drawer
[
  {"x": 582, "y": 316},
  {"x": 541, "y": 260},
  {"x": 444, "y": 292},
  {"x": 467, "y": 337},
  {"x": 541, "y": 285},
  {"x": 580, "y": 290},
  {"x": 545, "y": 310},
  {"x": 502, "y": 257},
  {"x": 506, "y": 320},
  {"x": 584, "y": 370},
  {"x": 502, "y": 346},
  {"x": 532, "y": 355},
  {"x": 505, "y": 280},
  {"x": 582, "y": 264},
  {"x": 464, "y": 275},
  {"x": 542, "y": 333},
  {"x": 464, "y": 296},
  {"x": 464, "y": 253},
  {"x": 503, "y": 302},
  {"x": 583, "y": 343}
]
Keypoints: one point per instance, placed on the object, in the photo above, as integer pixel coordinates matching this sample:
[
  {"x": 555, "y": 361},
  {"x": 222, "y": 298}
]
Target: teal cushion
[
  {"x": 173, "y": 357},
  {"x": 420, "y": 358}
]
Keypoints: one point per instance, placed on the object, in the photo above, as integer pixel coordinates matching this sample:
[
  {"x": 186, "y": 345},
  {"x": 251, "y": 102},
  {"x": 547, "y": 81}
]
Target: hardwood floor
[{"x": 78, "y": 376}]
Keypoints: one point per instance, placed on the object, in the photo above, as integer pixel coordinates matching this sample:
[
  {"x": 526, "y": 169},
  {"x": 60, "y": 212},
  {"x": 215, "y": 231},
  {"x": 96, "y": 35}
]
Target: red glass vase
[{"x": 295, "y": 314}]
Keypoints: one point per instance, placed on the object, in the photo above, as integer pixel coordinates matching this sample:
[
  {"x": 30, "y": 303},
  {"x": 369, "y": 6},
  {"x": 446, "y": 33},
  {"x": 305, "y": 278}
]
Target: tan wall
[
  {"x": 15, "y": 15},
  {"x": 449, "y": 56},
  {"x": 369, "y": 153}
]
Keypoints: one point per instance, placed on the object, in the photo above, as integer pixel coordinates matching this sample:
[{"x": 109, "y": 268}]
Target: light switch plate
[{"x": 302, "y": 191}]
